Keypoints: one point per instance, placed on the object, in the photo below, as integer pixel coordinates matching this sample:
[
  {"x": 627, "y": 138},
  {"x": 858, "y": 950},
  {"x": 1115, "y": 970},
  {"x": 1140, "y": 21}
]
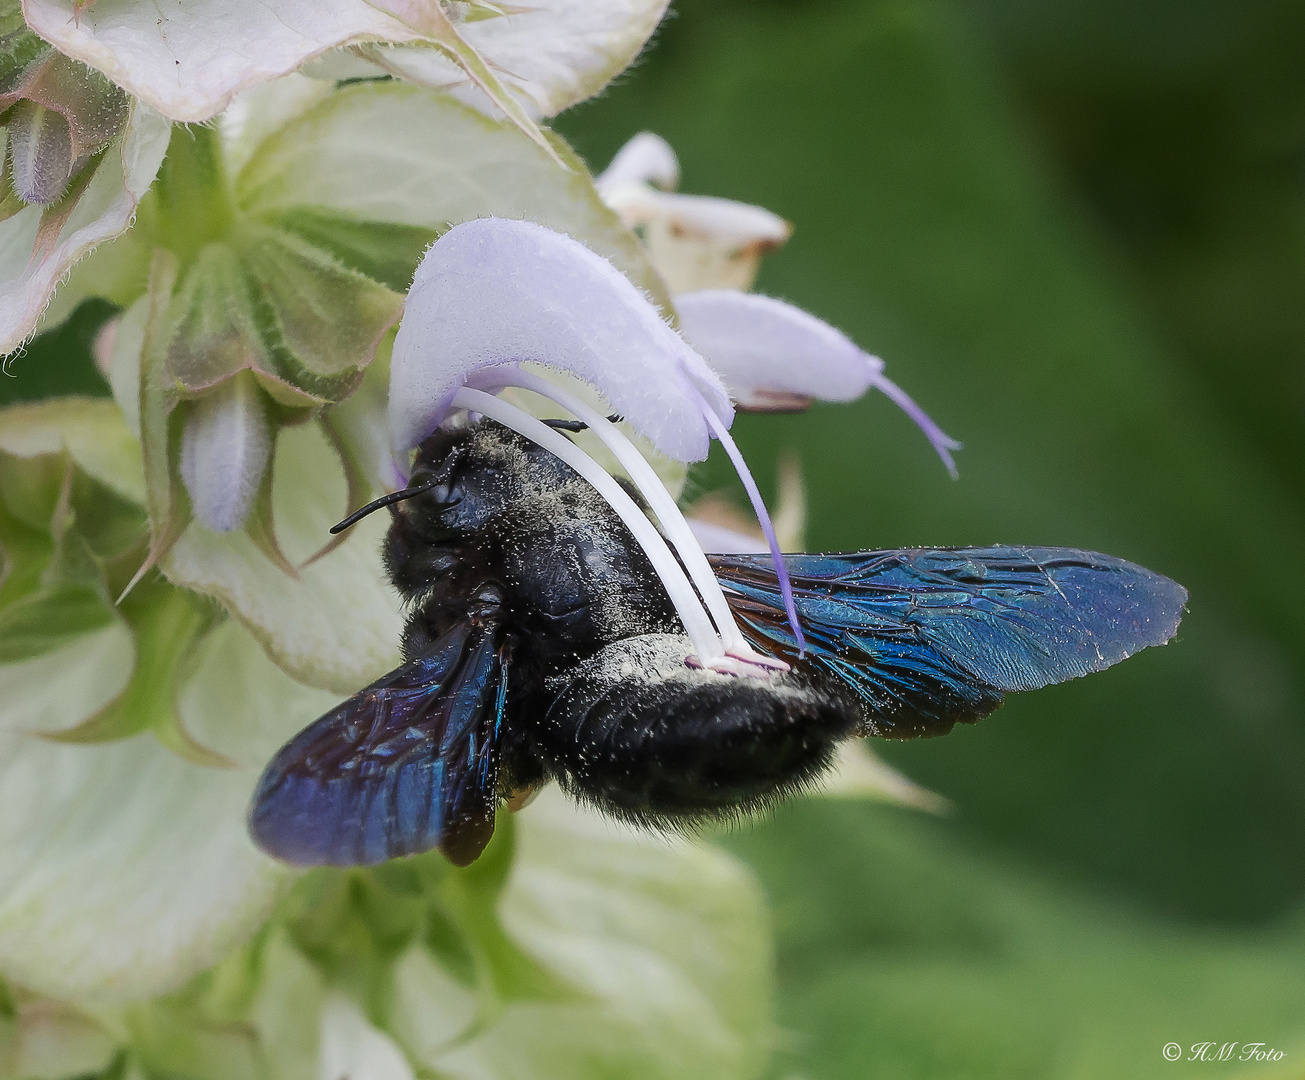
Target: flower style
[{"x": 772, "y": 356}]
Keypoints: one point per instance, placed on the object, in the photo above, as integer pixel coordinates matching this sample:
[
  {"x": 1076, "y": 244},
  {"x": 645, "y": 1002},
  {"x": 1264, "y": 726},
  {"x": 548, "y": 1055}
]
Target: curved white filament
[
  {"x": 668, "y": 513},
  {"x": 710, "y": 649}
]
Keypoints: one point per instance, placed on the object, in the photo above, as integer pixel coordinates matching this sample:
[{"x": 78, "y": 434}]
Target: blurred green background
[{"x": 1076, "y": 231}]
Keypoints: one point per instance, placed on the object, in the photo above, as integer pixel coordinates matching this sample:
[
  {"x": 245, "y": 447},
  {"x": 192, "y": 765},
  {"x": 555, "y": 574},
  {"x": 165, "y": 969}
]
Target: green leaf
[{"x": 403, "y": 154}]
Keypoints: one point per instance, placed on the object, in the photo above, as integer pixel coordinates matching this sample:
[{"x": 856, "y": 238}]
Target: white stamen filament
[
  {"x": 668, "y": 513},
  {"x": 697, "y": 624}
]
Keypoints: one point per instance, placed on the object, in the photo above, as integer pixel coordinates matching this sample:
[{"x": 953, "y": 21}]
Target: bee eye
[{"x": 447, "y": 493}]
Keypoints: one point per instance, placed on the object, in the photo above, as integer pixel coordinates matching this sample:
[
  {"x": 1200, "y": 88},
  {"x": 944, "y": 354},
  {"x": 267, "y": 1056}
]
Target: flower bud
[
  {"x": 224, "y": 452},
  {"x": 40, "y": 153},
  {"x": 60, "y": 114}
]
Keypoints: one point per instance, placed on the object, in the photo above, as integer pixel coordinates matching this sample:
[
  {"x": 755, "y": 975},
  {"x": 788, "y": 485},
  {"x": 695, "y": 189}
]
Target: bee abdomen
[{"x": 640, "y": 734}]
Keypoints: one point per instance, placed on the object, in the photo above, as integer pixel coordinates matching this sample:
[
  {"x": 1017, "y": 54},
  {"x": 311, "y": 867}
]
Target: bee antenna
[
  {"x": 385, "y": 500},
  {"x": 576, "y": 426}
]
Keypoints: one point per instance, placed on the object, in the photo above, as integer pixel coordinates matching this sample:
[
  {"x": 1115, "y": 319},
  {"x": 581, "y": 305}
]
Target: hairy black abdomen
[{"x": 639, "y": 734}]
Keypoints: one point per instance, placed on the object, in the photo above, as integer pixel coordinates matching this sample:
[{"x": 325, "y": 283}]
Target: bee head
[{"x": 465, "y": 477}]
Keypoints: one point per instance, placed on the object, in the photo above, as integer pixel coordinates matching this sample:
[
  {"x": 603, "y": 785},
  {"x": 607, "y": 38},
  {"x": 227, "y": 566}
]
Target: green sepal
[
  {"x": 24, "y": 553},
  {"x": 385, "y": 251},
  {"x": 357, "y": 488},
  {"x": 167, "y": 624},
  {"x": 189, "y": 206},
  {"x": 303, "y": 323},
  {"x": 18, "y": 46},
  {"x": 111, "y": 526},
  {"x": 91, "y": 431},
  {"x": 160, "y": 436},
  {"x": 322, "y": 319},
  {"x": 353, "y": 925},
  {"x": 49, "y": 619},
  {"x": 61, "y": 592},
  {"x": 170, "y": 1038},
  {"x": 212, "y": 331},
  {"x": 10, "y": 204},
  {"x": 469, "y": 897},
  {"x": 29, "y": 488},
  {"x": 261, "y": 525}
]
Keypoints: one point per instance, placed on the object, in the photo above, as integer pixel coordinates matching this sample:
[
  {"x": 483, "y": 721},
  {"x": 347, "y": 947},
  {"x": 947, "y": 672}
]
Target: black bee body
[
  {"x": 541, "y": 645},
  {"x": 512, "y": 534}
]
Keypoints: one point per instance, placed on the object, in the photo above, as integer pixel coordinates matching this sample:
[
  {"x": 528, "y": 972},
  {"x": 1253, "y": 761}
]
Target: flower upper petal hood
[
  {"x": 763, "y": 347},
  {"x": 646, "y": 159},
  {"x": 497, "y": 292},
  {"x": 773, "y": 355},
  {"x": 190, "y": 59}
]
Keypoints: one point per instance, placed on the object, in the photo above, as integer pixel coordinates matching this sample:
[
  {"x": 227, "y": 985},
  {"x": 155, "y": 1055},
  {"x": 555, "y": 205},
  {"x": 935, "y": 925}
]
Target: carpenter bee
[{"x": 541, "y": 646}]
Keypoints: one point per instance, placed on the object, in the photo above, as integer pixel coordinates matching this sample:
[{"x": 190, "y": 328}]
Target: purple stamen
[
  {"x": 943, "y": 445},
  {"x": 722, "y": 434}
]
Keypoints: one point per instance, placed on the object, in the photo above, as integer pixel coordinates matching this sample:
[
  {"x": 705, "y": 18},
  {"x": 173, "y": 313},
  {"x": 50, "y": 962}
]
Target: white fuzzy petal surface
[{"x": 497, "y": 291}]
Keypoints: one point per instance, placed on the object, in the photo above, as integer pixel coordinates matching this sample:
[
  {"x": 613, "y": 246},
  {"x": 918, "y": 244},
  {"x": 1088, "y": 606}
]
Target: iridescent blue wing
[
  {"x": 927, "y": 638},
  {"x": 406, "y": 765}
]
